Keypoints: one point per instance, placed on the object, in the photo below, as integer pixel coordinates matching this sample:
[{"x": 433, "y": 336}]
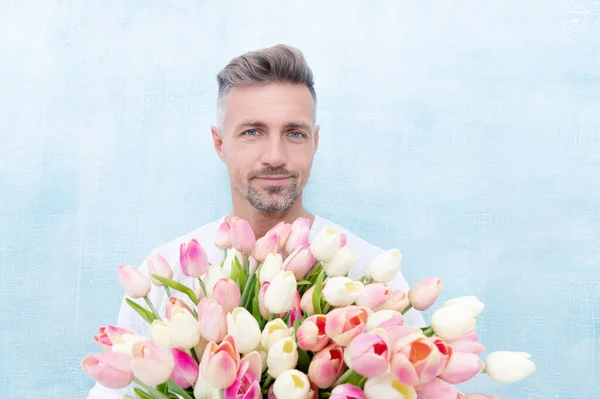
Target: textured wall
[{"x": 466, "y": 133}]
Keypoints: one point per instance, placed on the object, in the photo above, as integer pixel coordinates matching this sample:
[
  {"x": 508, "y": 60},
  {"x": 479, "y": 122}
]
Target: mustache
[{"x": 271, "y": 172}]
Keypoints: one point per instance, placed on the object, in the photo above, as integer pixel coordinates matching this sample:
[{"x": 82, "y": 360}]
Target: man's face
[{"x": 268, "y": 143}]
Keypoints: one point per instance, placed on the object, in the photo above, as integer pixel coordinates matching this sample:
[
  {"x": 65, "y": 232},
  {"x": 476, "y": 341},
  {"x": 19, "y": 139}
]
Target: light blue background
[{"x": 465, "y": 133}]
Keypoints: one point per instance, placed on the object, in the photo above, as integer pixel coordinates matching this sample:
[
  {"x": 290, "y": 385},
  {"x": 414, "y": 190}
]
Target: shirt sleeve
[{"x": 132, "y": 321}]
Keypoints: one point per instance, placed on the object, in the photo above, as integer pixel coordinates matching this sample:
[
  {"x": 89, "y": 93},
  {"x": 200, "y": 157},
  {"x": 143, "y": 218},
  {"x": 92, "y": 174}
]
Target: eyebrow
[{"x": 289, "y": 125}]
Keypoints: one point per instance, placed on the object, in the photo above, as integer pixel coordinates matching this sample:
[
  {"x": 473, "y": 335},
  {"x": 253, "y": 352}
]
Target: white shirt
[{"x": 205, "y": 235}]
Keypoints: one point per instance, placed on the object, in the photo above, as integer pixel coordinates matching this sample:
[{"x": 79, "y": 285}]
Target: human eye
[
  {"x": 250, "y": 133},
  {"x": 297, "y": 135}
]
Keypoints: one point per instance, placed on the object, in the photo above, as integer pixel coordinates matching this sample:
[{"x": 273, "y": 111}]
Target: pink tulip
[
  {"x": 300, "y": 222},
  {"x": 219, "y": 364},
  {"x": 347, "y": 391},
  {"x": 467, "y": 343},
  {"x": 247, "y": 381},
  {"x": 311, "y": 334},
  {"x": 171, "y": 303},
  {"x": 480, "y": 396},
  {"x": 283, "y": 231},
  {"x": 327, "y": 366},
  {"x": 461, "y": 367},
  {"x": 343, "y": 240},
  {"x": 299, "y": 262},
  {"x": 159, "y": 266},
  {"x": 343, "y": 324},
  {"x": 135, "y": 284},
  {"x": 446, "y": 352},
  {"x": 212, "y": 319},
  {"x": 185, "y": 373},
  {"x": 242, "y": 235},
  {"x": 438, "y": 389},
  {"x": 306, "y": 303},
  {"x": 227, "y": 294},
  {"x": 424, "y": 294},
  {"x": 395, "y": 333},
  {"x": 374, "y": 296},
  {"x": 269, "y": 244},
  {"x": 152, "y": 363},
  {"x": 193, "y": 259},
  {"x": 110, "y": 369},
  {"x": 223, "y": 238},
  {"x": 300, "y": 236},
  {"x": 369, "y": 354},
  {"x": 398, "y": 301},
  {"x": 415, "y": 360},
  {"x": 295, "y": 314},
  {"x": 108, "y": 335},
  {"x": 264, "y": 312}
]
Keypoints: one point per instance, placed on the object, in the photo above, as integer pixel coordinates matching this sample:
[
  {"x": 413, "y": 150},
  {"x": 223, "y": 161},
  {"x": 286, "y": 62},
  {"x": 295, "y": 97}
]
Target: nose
[{"x": 274, "y": 153}]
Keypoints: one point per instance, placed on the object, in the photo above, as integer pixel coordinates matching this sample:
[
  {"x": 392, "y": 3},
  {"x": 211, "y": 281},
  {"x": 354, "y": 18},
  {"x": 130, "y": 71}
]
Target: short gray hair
[{"x": 276, "y": 64}]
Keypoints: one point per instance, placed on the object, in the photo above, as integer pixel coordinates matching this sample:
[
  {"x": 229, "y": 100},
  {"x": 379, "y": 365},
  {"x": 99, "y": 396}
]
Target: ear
[
  {"x": 218, "y": 143},
  {"x": 316, "y": 137}
]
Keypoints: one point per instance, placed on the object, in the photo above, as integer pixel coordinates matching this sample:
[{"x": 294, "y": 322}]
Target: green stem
[
  {"x": 343, "y": 378},
  {"x": 409, "y": 307},
  {"x": 326, "y": 308},
  {"x": 153, "y": 391},
  {"x": 168, "y": 290},
  {"x": 267, "y": 381},
  {"x": 127, "y": 397},
  {"x": 202, "y": 286},
  {"x": 194, "y": 355},
  {"x": 151, "y": 306}
]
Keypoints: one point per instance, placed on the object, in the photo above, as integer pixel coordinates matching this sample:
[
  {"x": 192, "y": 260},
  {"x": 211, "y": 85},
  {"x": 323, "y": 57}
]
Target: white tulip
[
  {"x": 291, "y": 384},
  {"x": 384, "y": 267},
  {"x": 184, "y": 329},
  {"x": 342, "y": 291},
  {"x": 471, "y": 302},
  {"x": 270, "y": 268},
  {"x": 505, "y": 366},
  {"x": 204, "y": 391},
  {"x": 378, "y": 318},
  {"x": 274, "y": 331},
  {"x": 232, "y": 253},
  {"x": 452, "y": 322},
  {"x": 244, "y": 329},
  {"x": 340, "y": 263},
  {"x": 387, "y": 386},
  {"x": 160, "y": 332},
  {"x": 326, "y": 243},
  {"x": 124, "y": 344},
  {"x": 282, "y": 356},
  {"x": 279, "y": 297}
]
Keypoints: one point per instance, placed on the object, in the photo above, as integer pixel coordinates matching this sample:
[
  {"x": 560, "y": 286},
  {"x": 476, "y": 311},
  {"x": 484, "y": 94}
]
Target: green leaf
[
  {"x": 248, "y": 291},
  {"x": 303, "y": 282},
  {"x": 162, "y": 387},
  {"x": 178, "y": 390},
  {"x": 178, "y": 286},
  {"x": 297, "y": 324},
  {"x": 303, "y": 361},
  {"x": 255, "y": 307},
  {"x": 141, "y": 394},
  {"x": 355, "y": 379},
  {"x": 145, "y": 313},
  {"x": 316, "y": 298},
  {"x": 237, "y": 273}
]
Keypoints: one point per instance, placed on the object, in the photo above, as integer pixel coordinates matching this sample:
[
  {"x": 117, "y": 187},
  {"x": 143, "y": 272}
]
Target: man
[{"x": 267, "y": 136}]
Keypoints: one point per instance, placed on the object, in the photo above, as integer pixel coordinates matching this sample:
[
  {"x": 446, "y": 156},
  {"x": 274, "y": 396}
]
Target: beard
[{"x": 273, "y": 199}]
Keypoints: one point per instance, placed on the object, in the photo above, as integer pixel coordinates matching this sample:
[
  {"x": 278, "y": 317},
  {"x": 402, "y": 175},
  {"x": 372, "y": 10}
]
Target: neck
[{"x": 261, "y": 222}]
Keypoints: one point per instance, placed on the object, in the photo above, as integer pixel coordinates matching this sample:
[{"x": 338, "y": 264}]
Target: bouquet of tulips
[{"x": 279, "y": 318}]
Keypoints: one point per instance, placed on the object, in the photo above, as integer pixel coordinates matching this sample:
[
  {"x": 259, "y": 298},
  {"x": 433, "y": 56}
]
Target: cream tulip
[
  {"x": 452, "y": 322},
  {"x": 270, "y": 268},
  {"x": 384, "y": 267},
  {"x": 387, "y": 386},
  {"x": 291, "y": 384},
  {"x": 505, "y": 366},
  {"x": 279, "y": 297},
  {"x": 282, "y": 356},
  {"x": 340, "y": 263},
  {"x": 244, "y": 329},
  {"x": 184, "y": 329},
  {"x": 274, "y": 331},
  {"x": 342, "y": 291},
  {"x": 470, "y": 301},
  {"x": 326, "y": 243}
]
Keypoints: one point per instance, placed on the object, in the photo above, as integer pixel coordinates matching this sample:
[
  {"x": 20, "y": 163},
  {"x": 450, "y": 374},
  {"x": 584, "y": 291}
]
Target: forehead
[{"x": 272, "y": 104}]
